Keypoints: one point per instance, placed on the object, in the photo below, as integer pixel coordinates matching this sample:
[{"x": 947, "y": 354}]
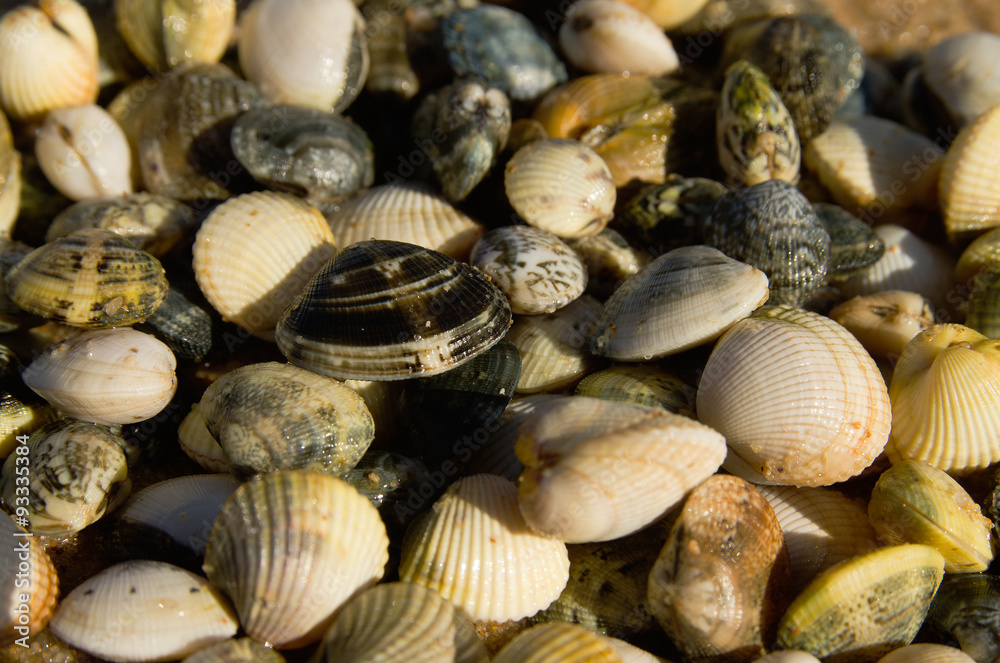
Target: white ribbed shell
[
  {"x": 927, "y": 653},
  {"x": 798, "y": 398},
  {"x": 559, "y": 642},
  {"x": 42, "y": 582},
  {"x": 607, "y": 36},
  {"x": 474, "y": 548},
  {"x": 970, "y": 178}
]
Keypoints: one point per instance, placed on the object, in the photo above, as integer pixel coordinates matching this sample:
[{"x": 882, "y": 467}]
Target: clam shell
[
  {"x": 561, "y": 186},
  {"x": 243, "y": 650},
  {"x": 492, "y": 566},
  {"x": 885, "y": 322},
  {"x": 678, "y": 301},
  {"x": 289, "y": 549},
  {"x": 400, "y": 622},
  {"x": 609, "y": 259},
  {"x": 406, "y": 212},
  {"x": 385, "y": 310},
  {"x": 670, "y": 215},
  {"x": 886, "y": 592},
  {"x": 558, "y": 642},
  {"x": 968, "y": 190},
  {"x": 962, "y": 73},
  {"x": 92, "y": 278},
  {"x": 198, "y": 443},
  {"x": 853, "y": 244},
  {"x": 40, "y": 584},
  {"x": 926, "y": 653},
  {"x": 669, "y": 14},
  {"x": 597, "y": 470},
  {"x": 978, "y": 256},
  {"x": 166, "y": 33},
  {"x": 388, "y": 480},
  {"x": 10, "y": 178},
  {"x": 182, "y": 325},
  {"x": 143, "y": 611},
  {"x": 966, "y": 611},
  {"x": 942, "y": 366},
  {"x": 646, "y": 385},
  {"x": 614, "y": 37},
  {"x": 255, "y": 253},
  {"x": 798, "y": 398},
  {"x": 108, "y": 376}
]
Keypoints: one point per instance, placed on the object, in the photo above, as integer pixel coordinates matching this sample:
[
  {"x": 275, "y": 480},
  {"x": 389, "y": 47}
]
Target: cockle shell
[
  {"x": 970, "y": 203},
  {"x": 166, "y": 33},
  {"x": 493, "y": 566},
  {"x": 596, "y": 470},
  {"x": 289, "y": 548},
  {"x": 927, "y": 653},
  {"x": 559, "y": 642},
  {"x": 798, "y": 398},
  {"x": 885, "y": 321},
  {"x": 38, "y": 581},
  {"x": 641, "y": 384},
  {"x": 614, "y": 37}
]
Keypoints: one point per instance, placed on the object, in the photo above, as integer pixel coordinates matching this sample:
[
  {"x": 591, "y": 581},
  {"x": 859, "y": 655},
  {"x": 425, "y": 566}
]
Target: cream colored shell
[
  {"x": 970, "y": 194},
  {"x": 927, "y": 653},
  {"x": 198, "y": 443},
  {"x": 166, "y": 33},
  {"x": 885, "y": 321},
  {"x": 40, "y": 583},
  {"x": 559, "y": 642},
  {"x": 669, "y": 13},
  {"x": 608, "y": 36}
]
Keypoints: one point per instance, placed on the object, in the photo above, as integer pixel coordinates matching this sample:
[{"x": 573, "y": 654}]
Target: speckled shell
[
  {"x": 492, "y": 566},
  {"x": 92, "y": 278},
  {"x": 12, "y": 316},
  {"x": 982, "y": 314},
  {"x": 166, "y": 33},
  {"x": 289, "y": 549},
  {"x": 561, "y": 186},
  {"x": 614, "y": 37},
  {"x": 885, "y": 322},
  {"x": 798, "y": 398},
  {"x": 945, "y": 393},
  {"x": 272, "y": 416},
  {"x": 406, "y": 212},
  {"x": 680, "y": 300},
  {"x": 42, "y": 585},
  {"x": 48, "y": 58},
  {"x": 198, "y": 443},
  {"x": 867, "y": 605},
  {"x": 558, "y": 642},
  {"x": 640, "y": 384},
  {"x": 969, "y": 194},
  {"x": 400, "y": 622},
  {"x": 718, "y": 586},
  {"x": 108, "y": 376},
  {"x": 308, "y": 52},
  {"x": 385, "y": 310},
  {"x": 926, "y": 653},
  {"x": 255, "y": 253},
  {"x": 772, "y": 227},
  {"x": 854, "y": 245},
  {"x": 185, "y": 327},
  {"x": 537, "y": 271},
  {"x": 609, "y": 259},
  {"x": 155, "y": 610},
  {"x": 670, "y": 215},
  {"x": 966, "y": 611}
]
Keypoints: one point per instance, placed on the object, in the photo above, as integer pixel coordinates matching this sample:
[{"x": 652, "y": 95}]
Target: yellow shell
[
  {"x": 559, "y": 642},
  {"x": 668, "y": 13},
  {"x": 927, "y": 653},
  {"x": 980, "y": 255},
  {"x": 198, "y": 443},
  {"x": 165, "y": 33},
  {"x": 10, "y": 178},
  {"x": 970, "y": 195}
]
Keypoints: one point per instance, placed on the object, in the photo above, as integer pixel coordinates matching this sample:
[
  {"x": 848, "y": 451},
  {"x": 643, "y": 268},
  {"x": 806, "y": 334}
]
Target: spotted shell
[{"x": 854, "y": 245}]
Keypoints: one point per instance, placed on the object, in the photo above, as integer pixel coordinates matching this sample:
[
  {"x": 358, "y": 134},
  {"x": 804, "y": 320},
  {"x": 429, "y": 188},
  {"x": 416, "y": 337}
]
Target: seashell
[
  {"x": 386, "y": 478},
  {"x": 772, "y": 227},
  {"x": 289, "y": 548},
  {"x": 49, "y": 56},
  {"x": 631, "y": 654},
  {"x": 966, "y": 186},
  {"x": 670, "y": 215},
  {"x": 926, "y": 653},
  {"x": 854, "y": 245},
  {"x": 640, "y": 384},
  {"x": 154, "y": 224},
  {"x": 680, "y": 300},
  {"x": 390, "y": 70},
  {"x": 10, "y": 178},
  {"x": 524, "y": 571},
  {"x": 613, "y": 37},
  {"x": 885, "y": 322},
  {"x": 21, "y": 413},
  {"x": 537, "y": 271},
  {"x": 254, "y": 254},
  {"x": 406, "y": 212},
  {"x": 798, "y": 398},
  {"x": 558, "y": 642},
  {"x": 553, "y": 347},
  {"x": 399, "y": 622},
  {"x": 977, "y": 257},
  {"x": 942, "y": 365},
  {"x": 385, "y": 310},
  {"x": 39, "y": 585},
  {"x": 305, "y": 151},
  {"x": 198, "y": 443},
  {"x": 754, "y": 131},
  {"x": 107, "y": 376},
  {"x": 501, "y": 48},
  {"x": 982, "y": 312},
  {"x": 965, "y": 611},
  {"x": 308, "y": 52},
  {"x": 182, "y": 325},
  {"x": 12, "y": 316},
  {"x": 270, "y": 416},
  {"x": 143, "y": 610},
  {"x": 166, "y": 33},
  {"x": 913, "y": 502},
  {"x": 717, "y": 587},
  {"x": 561, "y": 186},
  {"x": 888, "y": 590},
  {"x": 598, "y": 470},
  {"x": 668, "y": 14},
  {"x": 788, "y": 657},
  {"x": 961, "y": 72},
  {"x": 874, "y": 167},
  {"x": 242, "y": 650},
  {"x": 381, "y": 399},
  {"x": 609, "y": 259},
  {"x": 821, "y": 527}
]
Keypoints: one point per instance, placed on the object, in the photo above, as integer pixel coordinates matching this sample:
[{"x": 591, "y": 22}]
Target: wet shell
[
  {"x": 926, "y": 653},
  {"x": 272, "y": 416},
  {"x": 885, "y": 321},
  {"x": 308, "y": 52},
  {"x": 982, "y": 312},
  {"x": 943, "y": 366},
  {"x": 387, "y": 479},
  {"x": 966, "y": 612},
  {"x": 108, "y": 376},
  {"x": 558, "y": 642},
  {"x": 718, "y": 586},
  {"x": 144, "y": 611},
  {"x": 400, "y": 622},
  {"x": 182, "y": 325},
  {"x": 970, "y": 203},
  {"x": 93, "y": 278},
  {"x": 646, "y": 385},
  {"x": 198, "y": 443},
  {"x": 304, "y": 151},
  {"x": 255, "y": 253},
  {"x": 613, "y": 37},
  {"x": 49, "y": 58},
  {"x": 854, "y": 245},
  {"x": 493, "y": 566},
  {"x": 561, "y": 186},
  {"x": 243, "y": 650},
  {"x": 406, "y": 212},
  {"x": 166, "y": 33},
  {"x": 680, "y": 300},
  {"x": 913, "y": 502},
  {"x": 41, "y": 587},
  {"x": 864, "y": 607},
  {"x": 610, "y": 260},
  {"x": 289, "y": 549},
  {"x": 798, "y": 398},
  {"x": 670, "y": 215},
  {"x": 598, "y": 470},
  {"x": 384, "y": 310}
]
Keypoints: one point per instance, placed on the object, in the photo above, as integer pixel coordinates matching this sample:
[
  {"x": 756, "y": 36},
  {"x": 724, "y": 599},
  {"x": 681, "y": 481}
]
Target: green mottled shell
[
  {"x": 670, "y": 215},
  {"x": 966, "y": 610},
  {"x": 91, "y": 278},
  {"x": 182, "y": 325},
  {"x": 984, "y": 303},
  {"x": 853, "y": 244},
  {"x": 641, "y": 385}
]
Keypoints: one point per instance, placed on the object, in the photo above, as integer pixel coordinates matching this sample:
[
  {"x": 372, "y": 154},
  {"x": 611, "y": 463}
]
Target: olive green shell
[
  {"x": 643, "y": 385},
  {"x": 670, "y": 215},
  {"x": 853, "y": 244}
]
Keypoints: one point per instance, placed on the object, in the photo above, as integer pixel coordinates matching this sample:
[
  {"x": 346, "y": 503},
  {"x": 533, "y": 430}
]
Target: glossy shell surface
[{"x": 614, "y": 37}]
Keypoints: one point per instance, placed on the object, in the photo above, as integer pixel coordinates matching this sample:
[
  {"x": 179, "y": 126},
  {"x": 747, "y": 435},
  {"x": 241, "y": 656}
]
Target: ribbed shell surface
[
  {"x": 165, "y": 34},
  {"x": 798, "y": 398},
  {"x": 927, "y": 653},
  {"x": 42, "y": 583},
  {"x": 558, "y": 642},
  {"x": 970, "y": 195},
  {"x": 385, "y": 310},
  {"x": 641, "y": 384},
  {"x": 290, "y": 548},
  {"x": 474, "y": 548}
]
